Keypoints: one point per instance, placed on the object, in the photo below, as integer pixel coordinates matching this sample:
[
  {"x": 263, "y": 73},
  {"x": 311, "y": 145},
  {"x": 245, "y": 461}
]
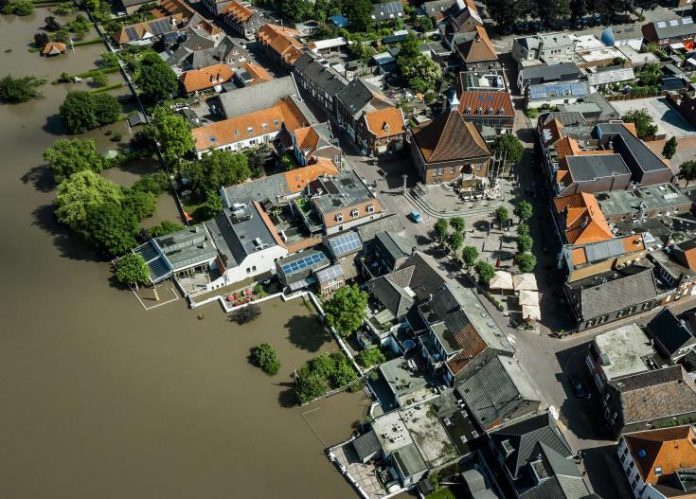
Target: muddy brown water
[{"x": 100, "y": 399}]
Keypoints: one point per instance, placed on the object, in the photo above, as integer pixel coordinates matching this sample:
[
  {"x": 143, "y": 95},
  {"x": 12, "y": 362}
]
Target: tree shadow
[
  {"x": 287, "y": 398},
  {"x": 68, "y": 243},
  {"x": 54, "y": 125},
  {"x": 40, "y": 177},
  {"x": 307, "y": 332}
]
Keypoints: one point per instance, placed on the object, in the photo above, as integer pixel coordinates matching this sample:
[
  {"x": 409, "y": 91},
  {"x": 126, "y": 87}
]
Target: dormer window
[
  {"x": 385, "y": 127},
  {"x": 354, "y": 213},
  {"x": 264, "y": 126},
  {"x": 250, "y": 129},
  {"x": 490, "y": 110},
  {"x": 468, "y": 110},
  {"x": 370, "y": 208},
  {"x": 479, "y": 111},
  {"x": 339, "y": 217},
  {"x": 501, "y": 111}
]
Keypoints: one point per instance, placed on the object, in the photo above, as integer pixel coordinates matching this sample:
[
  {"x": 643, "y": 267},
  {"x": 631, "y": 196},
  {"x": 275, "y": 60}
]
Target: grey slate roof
[
  {"x": 496, "y": 391},
  {"x": 237, "y": 238},
  {"x": 587, "y": 168},
  {"x": 260, "y": 190},
  {"x": 638, "y": 156},
  {"x": 344, "y": 190},
  {"x": 525, "y": 437},
  {"x": 263, "y": 95},
  {"x": 569, "y": 118},
  {"x": 426, "y": 278},
  {"x": 669, "y": 332},
  {"x": 323, "y": 77},
  {"x": 436, "y": 7},
  {"x": 564, "y": 478},
  {"x": 396, "y": 245},
  {"x": 552, "y": 72},
  {"x": 358, "y": 95},
  {"x": 614, "y": 291},
  {"x": 390, "y": 291},
  {"x": 367, "y": 445},
  {"x": 391, "y": 223},
  {"x": 387, "y": 10},
  {"x": 409, "y": 460},
  {"x": 670, "y": 28}
]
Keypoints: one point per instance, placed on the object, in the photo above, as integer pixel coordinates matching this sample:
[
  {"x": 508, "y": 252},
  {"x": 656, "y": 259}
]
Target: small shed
[
  {"x": 367, "y": 446},
  {"x": 136, "y": 118},
  {"x": 330, "y": 279},
  {"x": 501, "y": 280},
  {"x": 340, "y": 21},
  {"x": 53, "y": 48}
]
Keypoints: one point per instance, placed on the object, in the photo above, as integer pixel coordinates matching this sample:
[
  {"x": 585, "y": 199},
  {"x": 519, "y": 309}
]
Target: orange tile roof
[
  {"x": 250, "y": 125},
  {"x": 239, "y": 12},
  {"x": 385, "y": 122},
  {"x": 555, "y": 128},
  {"x": 171, "y": 7},
  {"x": 490, "y": 103},
  {"x": 567, "y": 146},
  {"x": 207, "y": 77},
  {"x": 480, "y": 49},
  {"x": 671, "y": 449},
  {"x": 306, "y": 138},
  {"x": 257, "y": 72},
  {"x": 53, "y": 48},
  {"x": 281, "y": 40},
  {"x": 584, "y": 220},
  {"x": 631, "y": 127},
  {"x": 690, "y": 258},
  {"x": 298, "y": 179},
  {"x": 633, "y": 243},
  {"x": 472, "y": 345}
]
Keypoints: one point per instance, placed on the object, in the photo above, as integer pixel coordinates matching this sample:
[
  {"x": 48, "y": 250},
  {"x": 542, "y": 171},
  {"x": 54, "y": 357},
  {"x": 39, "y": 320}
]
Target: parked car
[
  {"x": 578, "y": 388},
  {"x": 415, "y": 217}
]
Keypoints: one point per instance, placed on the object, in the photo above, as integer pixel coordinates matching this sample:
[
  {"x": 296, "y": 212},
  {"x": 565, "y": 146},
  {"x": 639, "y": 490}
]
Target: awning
[
  {"x": 524, "y": 282},
  {"x": 501, "y": 280},
  {"x": 691, "y": 61},
  {"x": 531, "y": 313},
  {"x": 677, "y": 46},
  {"x": 529, "y": 298}
]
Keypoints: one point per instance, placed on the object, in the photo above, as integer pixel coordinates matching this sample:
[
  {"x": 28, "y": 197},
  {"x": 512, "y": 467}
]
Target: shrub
[
  {"x": 265, "y": 357},
  {"x": 370, "y": 357},
  {"x": 163, "y": 228},
  {"x": 526, "y": 262}
]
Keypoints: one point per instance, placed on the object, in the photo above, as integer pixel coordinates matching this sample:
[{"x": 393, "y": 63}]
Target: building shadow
[
  {"x": 40, "y": 177},
  {"x": 605, "y": 473},
  {"x": 307, "y": 332},
  {"x": 69, "y": 244}
]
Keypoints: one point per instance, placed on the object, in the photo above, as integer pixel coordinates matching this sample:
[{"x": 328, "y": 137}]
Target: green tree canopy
[
  {"x": 441, "y": 229},
  {"x": 107, "y": 110},
  {"x": 522, "y": 228},
  {"x": 79, "y": 112},
  {"x": 645, "y": 125},
  {"x": 687, "y": 171},
  {"x": 370, "y": 357},
  {"x": 68, "y": 156},
  {"x": 485, "y": 271},
  {"x": 309, "y": 386},
  {"x": 172, "y": 132},
  {"x": 526, "y": 262},
  {"x": 217, "y": 169},
  {"x": 345, "y": 311},
  {"x": 265, "y": 357},
  {"x": 163, "y": 228},
  {"x": 140, "y": 204},
  {"x": 156, "y": 80},
  {"x": 23, "y": 89},
  {"x": 670, "y": 148},
  {"x": 132, "y": 269},
  {"x": 469, "y": 255},
  {"x": 456, "y": 241},
  {"x": 80, "y": 194},
  {"x": 359, "y": 14},
  {"x": 502, "y": 215},
  {"x": 524, "y": 210},
  {"x": 458, "y": 224},
  {"x": 524, "y": 243},
  {"x": 110, "y": 228},
  {"x": 508, "y": 146}
]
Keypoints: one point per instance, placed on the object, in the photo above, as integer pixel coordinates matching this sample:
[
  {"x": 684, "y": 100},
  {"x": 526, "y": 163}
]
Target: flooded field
[{"x": 100, "y": 399}]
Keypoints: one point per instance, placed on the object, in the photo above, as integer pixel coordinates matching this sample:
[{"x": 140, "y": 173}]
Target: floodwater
[{"x": 101, "y": 399}]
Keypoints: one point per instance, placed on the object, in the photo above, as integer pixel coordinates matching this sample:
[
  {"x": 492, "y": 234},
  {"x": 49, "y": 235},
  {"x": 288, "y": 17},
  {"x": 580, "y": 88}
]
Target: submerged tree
[{"x": 132, "y": 269}]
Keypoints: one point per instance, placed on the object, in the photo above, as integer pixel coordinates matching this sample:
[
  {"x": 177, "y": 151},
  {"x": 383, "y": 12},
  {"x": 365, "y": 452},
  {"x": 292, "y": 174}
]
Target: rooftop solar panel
[
  {"x": 302, "y": 264},
  {"x": 147, "y": 252},
  {"x": 330, "y": 274},
  {"x": 345, "y": 243}
]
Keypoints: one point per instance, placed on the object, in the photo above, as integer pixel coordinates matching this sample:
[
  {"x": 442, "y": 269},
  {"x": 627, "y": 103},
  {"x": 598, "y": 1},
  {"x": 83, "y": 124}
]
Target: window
[
  {"x": 451, "y": 169},
  {"x": 339, "y": 217},
  {"x": 264, "y": 126},
  {"x": 354, "y": 213},
  {"x": 248, "y": 270},
  {"x": 253, "y": 268},
  {"x": 370, "y": 208},
  {"x": 250, "y": 129},
  {"x": 337, "y": 160},
  {"x": 439, "y": 172}
]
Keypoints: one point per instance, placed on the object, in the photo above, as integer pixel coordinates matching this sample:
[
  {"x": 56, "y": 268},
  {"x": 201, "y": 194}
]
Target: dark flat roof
[{"x": 590, "y": 167}]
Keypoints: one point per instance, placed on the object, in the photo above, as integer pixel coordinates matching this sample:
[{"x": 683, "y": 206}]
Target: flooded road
[{"x": 100, "y": 399}]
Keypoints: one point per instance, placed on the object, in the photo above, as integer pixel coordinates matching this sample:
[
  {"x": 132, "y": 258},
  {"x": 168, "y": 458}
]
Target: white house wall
[
  {"x": 353, "y": 223},
  {"x": 256, "y": 264},
  {"x": 243, "y": 144}
]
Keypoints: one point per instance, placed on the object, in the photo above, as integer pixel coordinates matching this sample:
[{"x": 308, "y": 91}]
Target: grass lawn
[{"x": 443, "y": 493}]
